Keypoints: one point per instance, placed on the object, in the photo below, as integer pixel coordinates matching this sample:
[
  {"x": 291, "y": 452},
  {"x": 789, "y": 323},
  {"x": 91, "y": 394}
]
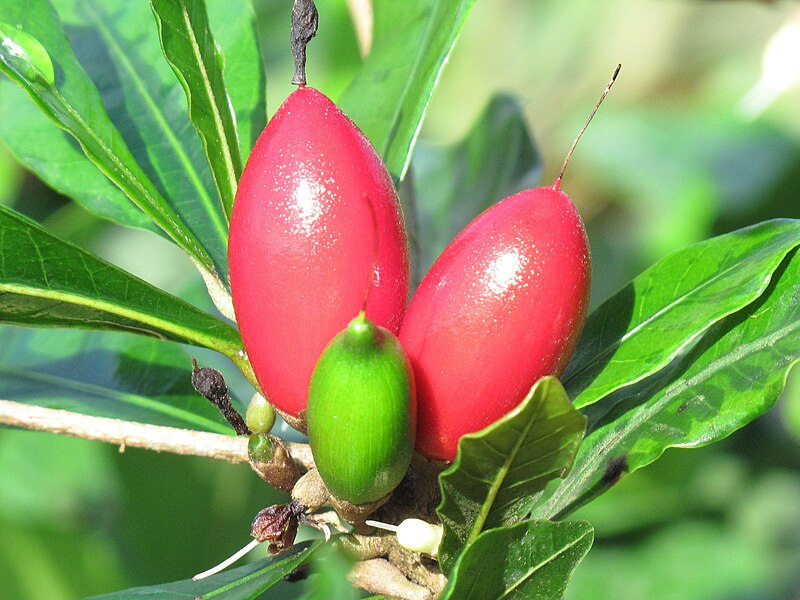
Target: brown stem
[
  {"x": 138, "y": 435},
  {"x": 304, "y": 27},
  {"x": 379, "y": 576}
]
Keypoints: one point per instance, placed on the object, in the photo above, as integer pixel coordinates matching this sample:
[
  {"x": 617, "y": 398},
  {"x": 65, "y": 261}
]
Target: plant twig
[
  {"x": 138, "y": 435},
  {"x": 361, "y": 12},
  {"x": 379, "y": 576}
]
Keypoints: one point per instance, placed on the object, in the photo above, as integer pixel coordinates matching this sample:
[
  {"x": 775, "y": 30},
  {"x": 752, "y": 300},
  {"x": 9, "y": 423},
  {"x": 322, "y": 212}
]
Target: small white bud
[{"x": 415, "y": 534}]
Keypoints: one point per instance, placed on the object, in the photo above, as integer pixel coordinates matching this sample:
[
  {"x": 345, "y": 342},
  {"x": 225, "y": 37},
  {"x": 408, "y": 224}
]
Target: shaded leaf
[
  {"x": 117, "y": 44},
  {"x": 388, "y": 98},
  {"x": 233, "y": 23},
  {"x": 243, "y": 583},
  {"x": 497, "y": 158},
  {"x": 47, "y": 282},
  {"x": 104, "y": 375},
  {"x": 666, "y": 308},
  {"x": 498, "y": 469},
  {"x": 191, "y": 51},
  {"x": 75, "y": 105},
  {"x": 57, "y": 159},
  {"x": 532, "y": 560},
  {"x": 733, "y": 374}
]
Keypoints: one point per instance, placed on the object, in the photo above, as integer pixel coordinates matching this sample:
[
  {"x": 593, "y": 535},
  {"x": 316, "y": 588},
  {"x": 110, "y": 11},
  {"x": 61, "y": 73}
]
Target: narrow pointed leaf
[
  {"x": 665, "y": 309},
  {"x": 498, "y": 469},
  {"x": 532, "y": 560},
  {"x": 104, "y": 375},
  {"x": 390, "y": 95},
  {"x": 118, "y": 46},
  {"x": 74, "y": 103},
  {"x": 47, "y": 282},
  {"x": 243, "y": 583},
  {"x": 47, "y": 150},
  {"x": 191, "y": 51},
  {"x": 732, "y": 375},
  {"x": 233, "y": 23}
]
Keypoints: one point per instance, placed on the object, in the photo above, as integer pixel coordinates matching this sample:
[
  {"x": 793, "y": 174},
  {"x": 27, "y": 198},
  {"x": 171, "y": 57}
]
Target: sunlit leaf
[
  {"x": 498, "y": 469},
  {"x": 47, "y": 282},
  {"x": 191, "y": 51},
  {"x": 532, "y": 560},
  {"x": 730, "y": 376},
  {"x": 669, "y": 306},
  {"x": 76, "y": 106}
]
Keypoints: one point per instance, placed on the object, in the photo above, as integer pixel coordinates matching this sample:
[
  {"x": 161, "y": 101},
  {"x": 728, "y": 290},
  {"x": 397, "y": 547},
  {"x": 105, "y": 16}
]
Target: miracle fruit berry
[
  {"x": 501, "y": 307},
  {"x": 362, "y": 412},
  {"x": 301, "y": 246}
]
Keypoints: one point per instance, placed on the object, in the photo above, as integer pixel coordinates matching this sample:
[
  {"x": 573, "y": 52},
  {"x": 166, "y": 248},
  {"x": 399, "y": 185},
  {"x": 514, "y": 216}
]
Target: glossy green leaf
[
  {"x": 532, "y": 560},
  {"x": 665, "y": 309},
  {"x": 76, "y": 106},
  {"x": 117, "y": 44},
  {"x": 730, "y": 376},
  {"x": 47, "y": 282},
  {"x": 497, "y": 469},
  {"x": 497, "y": 158},
  {"x": 105, "y": 375},
  {"x": 243, "y": 583},
  {"x": 233, "y": 23},
  {"x": 57, "y": 159},
  {"x": 191, "y": 51},
  {"x": 412, "y": 42}
]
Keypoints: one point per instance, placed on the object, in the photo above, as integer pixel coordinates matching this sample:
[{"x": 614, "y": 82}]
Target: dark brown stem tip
[
  {"x": 304, "y": 27},
  {"x": 211, "y": 384},
  {"x": 557, "y": 184}
]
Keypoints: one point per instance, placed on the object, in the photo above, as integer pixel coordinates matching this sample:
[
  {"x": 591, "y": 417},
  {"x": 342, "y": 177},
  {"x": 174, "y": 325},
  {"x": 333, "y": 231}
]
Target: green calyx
[
  {"x": 361, "y": 412},
  {"x": 261, "y": 448}
]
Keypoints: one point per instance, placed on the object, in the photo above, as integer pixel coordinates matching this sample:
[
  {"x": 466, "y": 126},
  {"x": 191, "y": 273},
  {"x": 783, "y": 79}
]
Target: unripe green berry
[
  {"x": 260, "y": 416},
  {"x": 362, "y": 413}
]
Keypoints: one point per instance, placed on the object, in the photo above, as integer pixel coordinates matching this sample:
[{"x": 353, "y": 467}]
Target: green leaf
[
  {"x": 498, "y": 469},
  {"x": 388, "y": 98},
  {"x": 122, "y": 55},
  {"x": 47, "y": 282},
  {"x": 233, "y": 24},
  {"x": 76, "y": 106},
  {"x": 191, "y": 51},
  {"x": 532, "y": 560},
  {"x": 497, "y": 158},
  {"x": 733, "y": 374},
  {"x": 57, "y": 159},
  {"x": 243, "y": 583},
  {"x": 104, "y": 375},
  {"x": 668, "y": 307}
]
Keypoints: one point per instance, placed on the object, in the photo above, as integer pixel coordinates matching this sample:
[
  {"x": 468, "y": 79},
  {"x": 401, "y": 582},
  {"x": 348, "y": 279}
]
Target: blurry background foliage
[{"x": 670, "y": 160}]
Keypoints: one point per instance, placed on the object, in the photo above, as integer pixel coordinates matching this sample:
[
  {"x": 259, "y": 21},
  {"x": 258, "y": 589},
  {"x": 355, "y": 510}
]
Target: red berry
[
  {"x": 501, "y": 307},
  {"x": 302, "y": 248}
]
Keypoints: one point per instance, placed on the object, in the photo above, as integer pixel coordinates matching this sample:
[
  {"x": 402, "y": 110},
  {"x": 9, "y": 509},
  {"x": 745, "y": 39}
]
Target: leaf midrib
[
  {"x": 158, "y": 115},
  {"x": 616, "y": 344},
  {"x": 671, "y": 392},
  {"x": 157, "y": 324},
  {"x": 219, "y": 125}
]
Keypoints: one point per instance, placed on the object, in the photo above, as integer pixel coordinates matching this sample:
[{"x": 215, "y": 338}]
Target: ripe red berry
[
  {"x": 301, "y": 246},
  {"x": 501, "y": 307}
]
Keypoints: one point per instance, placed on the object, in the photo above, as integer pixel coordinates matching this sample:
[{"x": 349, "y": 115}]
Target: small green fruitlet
[
  {"x": 260, "y": 416},
  {"x": 362, "y": 412}
]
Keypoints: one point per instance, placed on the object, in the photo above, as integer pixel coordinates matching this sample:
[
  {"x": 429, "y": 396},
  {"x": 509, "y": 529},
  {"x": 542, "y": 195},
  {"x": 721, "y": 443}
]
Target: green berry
[
  {"x": 362, "y": 412},
  {"x": 260, "y": 416}
]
